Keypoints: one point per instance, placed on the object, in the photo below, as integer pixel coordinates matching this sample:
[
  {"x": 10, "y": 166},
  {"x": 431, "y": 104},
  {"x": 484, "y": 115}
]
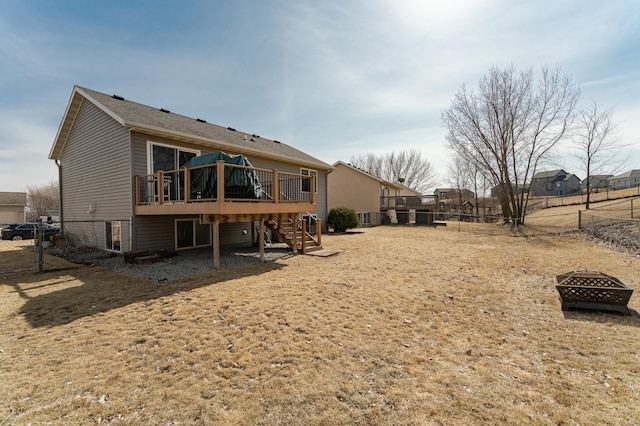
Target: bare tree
[
  {"x": 41, "y": 199},
  {"x": 459, "y": 177},
  {"x": 464, "y": 174},
  {"x": 407, "y": 167},
  {"x": 596, "y": 141},
  {"x": 509, "y": 126}
]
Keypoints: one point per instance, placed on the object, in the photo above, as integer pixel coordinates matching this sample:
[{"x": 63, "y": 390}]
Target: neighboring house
[
  {"x": 375, "y": 200},
  {"x": 454, "y": 194},
  {"x": 629, "y": 179},
  {"x": 496, "y": 191},
  {"x": 405, "y": 191},
  {"x": 124, "y": 186},
  {"x": 352, "y": 187},
  {"x": 554, "y": 183},
  {"x": 13, "y": 207},
  {"x": 596, "y": 182}
]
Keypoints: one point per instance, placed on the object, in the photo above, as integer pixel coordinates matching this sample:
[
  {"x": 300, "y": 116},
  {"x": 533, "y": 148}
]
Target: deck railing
[
  {"x": 409, "y": 201},
  {"x": 222, "y": 182}
]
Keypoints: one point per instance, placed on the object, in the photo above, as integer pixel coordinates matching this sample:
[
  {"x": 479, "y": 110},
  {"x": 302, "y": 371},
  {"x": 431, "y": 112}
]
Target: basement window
[{"x": 113, "y": 235}]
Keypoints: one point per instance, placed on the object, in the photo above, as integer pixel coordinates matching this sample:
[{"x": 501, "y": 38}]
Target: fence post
[
  {"x": 40, "y": 239},
  {"x": 579, "y": 219}
]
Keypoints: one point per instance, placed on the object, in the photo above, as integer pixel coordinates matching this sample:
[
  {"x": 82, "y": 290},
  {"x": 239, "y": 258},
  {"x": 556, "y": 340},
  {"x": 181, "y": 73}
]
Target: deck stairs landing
[{"x": 287, "y": 229}]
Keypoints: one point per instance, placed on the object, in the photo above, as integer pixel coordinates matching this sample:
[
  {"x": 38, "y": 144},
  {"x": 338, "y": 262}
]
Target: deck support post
[
  {"x": 253, "y": 233},
  {"x": 261, "y": 240},
  {"x": 303, "y": 234},
  {"x": 319, "y": 231},
  {"x": 215, "y": 235}
]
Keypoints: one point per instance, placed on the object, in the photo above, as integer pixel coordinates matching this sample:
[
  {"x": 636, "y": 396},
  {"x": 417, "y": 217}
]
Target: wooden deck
[
  {"x": 227, "y": 193},
  {"x": 232, "y": 193}
]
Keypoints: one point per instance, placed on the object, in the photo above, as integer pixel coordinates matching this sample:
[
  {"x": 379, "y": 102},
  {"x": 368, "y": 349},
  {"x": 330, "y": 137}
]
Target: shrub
[{"x": 343, "y": 218}]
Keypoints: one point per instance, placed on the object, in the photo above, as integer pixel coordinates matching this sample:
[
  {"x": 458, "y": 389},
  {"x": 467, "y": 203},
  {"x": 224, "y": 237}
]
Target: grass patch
[{"x": 408, "y": 325}]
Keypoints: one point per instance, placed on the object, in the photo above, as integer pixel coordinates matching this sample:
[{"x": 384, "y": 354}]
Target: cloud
[{"x": 335, "y": 79}]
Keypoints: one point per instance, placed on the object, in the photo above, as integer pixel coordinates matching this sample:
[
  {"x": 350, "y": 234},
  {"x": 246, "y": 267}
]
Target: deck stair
[{"x": 304, "y": 243}]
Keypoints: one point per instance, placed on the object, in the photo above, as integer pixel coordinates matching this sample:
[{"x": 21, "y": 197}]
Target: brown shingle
[{"x": 133, "y": 114}]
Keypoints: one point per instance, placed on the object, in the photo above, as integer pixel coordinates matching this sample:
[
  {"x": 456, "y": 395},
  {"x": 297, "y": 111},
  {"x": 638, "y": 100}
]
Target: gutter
[{"x": 60, "y": 195}]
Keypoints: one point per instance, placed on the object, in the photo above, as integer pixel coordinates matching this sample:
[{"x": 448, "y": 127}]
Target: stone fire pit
[{"x": 593, "y": 290}]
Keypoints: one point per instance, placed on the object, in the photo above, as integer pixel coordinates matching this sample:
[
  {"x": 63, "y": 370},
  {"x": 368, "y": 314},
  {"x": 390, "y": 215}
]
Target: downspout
[{"x": 60, "y": 196}]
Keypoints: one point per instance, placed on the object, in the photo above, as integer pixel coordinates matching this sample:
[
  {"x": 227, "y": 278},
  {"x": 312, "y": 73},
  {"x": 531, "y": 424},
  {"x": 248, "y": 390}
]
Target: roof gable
[
  {"x": 13, "y": 198},
  {"x": 629, "y": 174},
  {"x": 549, "y": 174},
  {"x": 161, "y": 122},
  {"x": 367, "y": 174}
]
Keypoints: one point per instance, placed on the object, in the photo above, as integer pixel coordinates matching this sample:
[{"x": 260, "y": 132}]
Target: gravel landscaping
[
  {"x": 623, "y": 238},
  {"x": 185, "y": 264}
]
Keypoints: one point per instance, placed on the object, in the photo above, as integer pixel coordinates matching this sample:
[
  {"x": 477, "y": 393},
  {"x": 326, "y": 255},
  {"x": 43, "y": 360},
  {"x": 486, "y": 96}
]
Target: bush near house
[{"x": 343, "y": 218}]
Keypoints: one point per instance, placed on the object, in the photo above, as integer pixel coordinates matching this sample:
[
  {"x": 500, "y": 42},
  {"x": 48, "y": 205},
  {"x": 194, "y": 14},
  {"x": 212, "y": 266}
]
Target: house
[
  {"x": 596, "y": 182},
  {"x": 625, "y": 180},
  {"x": 454, "y": 194},
  {"x": 13, "y": 206},
  {"x": 554, "y": 183},
  {"x": 496, "y": 191},
  {"x": 375, "y": 200},
  {"x": 126, "y": 184},
  {"x": 352, "y": 187}
]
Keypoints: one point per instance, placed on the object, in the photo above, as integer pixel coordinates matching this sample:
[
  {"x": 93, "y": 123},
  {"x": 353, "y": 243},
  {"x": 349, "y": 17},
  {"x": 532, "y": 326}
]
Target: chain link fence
[
  {"x": 22, "y": 246},
  {"x": 615, "y": 222},
  {"x": 21, "y": 250}
]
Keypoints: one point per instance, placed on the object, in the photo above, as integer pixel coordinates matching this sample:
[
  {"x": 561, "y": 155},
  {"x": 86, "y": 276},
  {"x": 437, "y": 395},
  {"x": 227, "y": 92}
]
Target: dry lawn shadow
[
  {"x": 406, "y": 326},
  {"x": 55, "y": 299},
  {"x": 611, "y": 318}
]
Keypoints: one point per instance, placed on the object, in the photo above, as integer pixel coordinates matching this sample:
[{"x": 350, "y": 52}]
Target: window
[
  {"x": 191, "y": 233},
  {"x": 164, "y": 158},
  {"x": 306, "y": 182},
  {"x": 113, "y": 236}
]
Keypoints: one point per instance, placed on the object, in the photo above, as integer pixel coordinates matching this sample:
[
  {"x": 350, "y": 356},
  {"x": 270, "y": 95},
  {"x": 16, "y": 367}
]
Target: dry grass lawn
[{"x": 434, "y": 326}]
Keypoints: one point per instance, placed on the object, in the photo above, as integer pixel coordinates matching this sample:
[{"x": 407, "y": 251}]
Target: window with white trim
[
  {"x": 306, "y": 182},
  {"x": 190, "y": 233},
  {"x": 113, "y": 235},
  {"x": 163, "y": 158}
]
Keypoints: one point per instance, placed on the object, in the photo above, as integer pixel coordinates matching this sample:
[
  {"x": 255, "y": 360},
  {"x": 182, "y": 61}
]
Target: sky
[{"x": 333, "y": 78}]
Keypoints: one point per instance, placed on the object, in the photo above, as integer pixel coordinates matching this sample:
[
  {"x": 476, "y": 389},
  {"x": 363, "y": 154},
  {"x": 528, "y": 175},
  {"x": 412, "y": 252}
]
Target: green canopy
[{"x": 239, "y": 182}]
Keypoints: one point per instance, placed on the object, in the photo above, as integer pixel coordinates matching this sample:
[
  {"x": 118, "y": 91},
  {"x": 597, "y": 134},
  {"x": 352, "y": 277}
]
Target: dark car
[
  {"x": 8, "y": 226},
  {"x": 26, "y": 231}
]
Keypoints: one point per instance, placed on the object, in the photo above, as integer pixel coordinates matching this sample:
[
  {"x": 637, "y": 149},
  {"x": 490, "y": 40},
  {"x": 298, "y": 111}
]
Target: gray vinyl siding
[
  {"x": 158, "y": 233},
  {"x": 231, "y": 234},
  {"x": 96, "y": 177}
]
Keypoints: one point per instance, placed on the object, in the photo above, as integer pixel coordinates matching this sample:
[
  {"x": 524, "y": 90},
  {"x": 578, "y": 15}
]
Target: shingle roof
[
  {"x": 13, "y": 198},
  {"x": 630, "y": 173},
  {"x": 548, "y": 174},
  {"x": 158, "y": 121},
  {"x": 374, "y": 177}
]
